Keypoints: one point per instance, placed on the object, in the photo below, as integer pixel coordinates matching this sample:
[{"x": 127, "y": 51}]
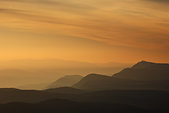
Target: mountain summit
[
  {"x": 146, "y": 64},
  {"x": 143, "y": 64},
  {"x": 145, "y": 71},
  {"x": 143, "y": 75}
]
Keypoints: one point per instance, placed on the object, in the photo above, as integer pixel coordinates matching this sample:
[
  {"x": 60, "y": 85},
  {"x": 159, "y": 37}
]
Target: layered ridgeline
[
  {"x": 143, "y": 75},
  {"x": 61, "y": 98},
  {"x": 66, "y": 81},
  {"x": 143, "y": 88}
]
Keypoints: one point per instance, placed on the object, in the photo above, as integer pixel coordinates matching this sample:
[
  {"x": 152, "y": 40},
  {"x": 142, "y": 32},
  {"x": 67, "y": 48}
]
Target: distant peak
[
  {"x": 142, "y": 64},
  {"x": 94, "y": 74},
  {"x": 143, "y": 61}
]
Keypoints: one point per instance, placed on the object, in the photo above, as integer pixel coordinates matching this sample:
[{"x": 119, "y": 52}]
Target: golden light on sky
[
  {"x": 85, "y": 30},
  {"x": 41, "y": 40}
]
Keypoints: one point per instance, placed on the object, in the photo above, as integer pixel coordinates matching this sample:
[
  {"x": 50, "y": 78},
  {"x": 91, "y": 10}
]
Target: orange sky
[
  {"x": 41, "y": 40},
  {"x": 85, "y": 30}
]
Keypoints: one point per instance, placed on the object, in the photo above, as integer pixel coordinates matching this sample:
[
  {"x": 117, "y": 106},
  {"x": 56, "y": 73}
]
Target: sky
[
  {"x": 85, "y": 30},
  {"x": 88, "y": 33}
]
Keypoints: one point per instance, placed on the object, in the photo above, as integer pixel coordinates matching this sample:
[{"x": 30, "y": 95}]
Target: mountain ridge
[
  {"x": 147, "y": 64},
  {"x": 142, "y": 75}
]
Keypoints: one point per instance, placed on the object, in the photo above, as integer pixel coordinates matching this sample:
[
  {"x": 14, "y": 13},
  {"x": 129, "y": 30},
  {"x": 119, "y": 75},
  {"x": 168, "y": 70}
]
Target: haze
[{"x": 34, "y": 34}]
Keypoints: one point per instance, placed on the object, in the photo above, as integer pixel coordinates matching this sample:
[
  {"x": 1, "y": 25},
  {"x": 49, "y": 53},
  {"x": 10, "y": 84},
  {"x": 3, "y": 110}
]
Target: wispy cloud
[
  {"x": 162, "y": 1},
  {"x": 132, "y": 24}
]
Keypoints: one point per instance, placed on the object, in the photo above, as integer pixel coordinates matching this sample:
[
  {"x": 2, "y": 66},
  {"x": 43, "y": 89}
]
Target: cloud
[
  {"x": 2, "y": 10},
  {"x": 131, "y": 24},
  {"x": 161, "y": 1},
  {"x": 59, "y": 3}
]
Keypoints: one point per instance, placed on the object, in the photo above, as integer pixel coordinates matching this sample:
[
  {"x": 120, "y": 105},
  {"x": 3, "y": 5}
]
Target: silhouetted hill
[
  {"x": 66, "y": 106},
  {"x": 65, "y": 90},
  {"x": 143, "y": 88},
  {"x": 118, "y": 101},
  {"x": 66, "y": 81},
  {"x": 103, "y": 82},
  {"x": 145, "y": 71},
  {"x": 145, "y": 64},
  {"x": 143, "y": 75},
  {"x": 94, "y": 81},
  {"x": 8, "y": 95}
]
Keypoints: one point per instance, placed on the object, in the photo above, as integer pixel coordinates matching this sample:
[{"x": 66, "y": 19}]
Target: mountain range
[
  {"x": 143, "y": 75},
  {"x": 143, "y": 88},
  {"x": 71, "y": 100}
]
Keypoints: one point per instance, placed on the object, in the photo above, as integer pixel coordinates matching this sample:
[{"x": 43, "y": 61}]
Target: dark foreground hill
[
  {"x": 118, "y": 101},
  {"x": 143, "y": 88},
  {"x": 8, "y": 95},
  {"x": 138, "y": 102},
  {"x": 66, "y": 106},
  {"x": 143, "y": 75}
]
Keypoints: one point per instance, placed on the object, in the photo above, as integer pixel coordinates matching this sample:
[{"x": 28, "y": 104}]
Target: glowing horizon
[{"x": 124, "y": 31}]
